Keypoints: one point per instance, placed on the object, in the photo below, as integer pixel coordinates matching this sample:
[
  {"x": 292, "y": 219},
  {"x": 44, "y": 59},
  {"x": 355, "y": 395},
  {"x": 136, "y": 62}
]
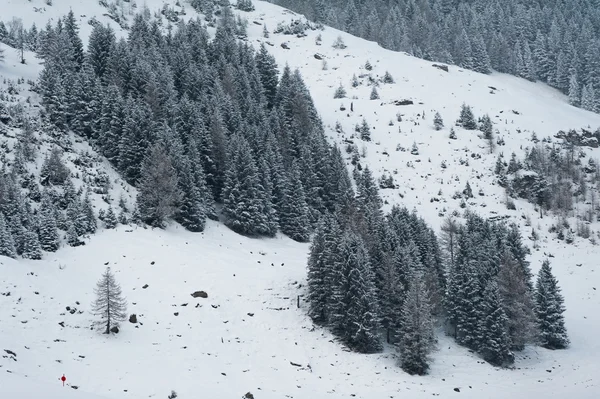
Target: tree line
[
  {"x": 209, "y": 129},
  {"x": 556, "y": 42},
  {"x": 556, "y": 179},
  {"x": 375, "y": 278},
  {"x": 196, "y": 125}
]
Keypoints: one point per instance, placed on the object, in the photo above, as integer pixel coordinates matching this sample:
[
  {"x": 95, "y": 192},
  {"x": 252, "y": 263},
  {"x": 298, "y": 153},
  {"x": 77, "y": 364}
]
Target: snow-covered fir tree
[
  {"x": 374, "y": 94},
  {"x": 110, "y": 219},
  {"x": 417, "y": 337},
  {"x": 354, "y": 305},
  {"x": 493, "y": 338},
  {"x": 340, "y": 92},
  {"x": 438, "y": 122},
  {"x": 158, "y": 193},
  {"x": 7, "y": 243},
  {"x": 549, "y": 310},
  {"x": 467, "y": 119}
]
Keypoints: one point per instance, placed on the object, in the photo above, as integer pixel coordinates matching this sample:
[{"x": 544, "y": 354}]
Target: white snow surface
[{"x": 214, "y": 347}]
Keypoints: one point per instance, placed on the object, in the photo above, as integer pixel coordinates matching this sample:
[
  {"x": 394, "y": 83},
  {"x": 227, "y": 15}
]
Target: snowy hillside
[{"x": 249, "y": 335}]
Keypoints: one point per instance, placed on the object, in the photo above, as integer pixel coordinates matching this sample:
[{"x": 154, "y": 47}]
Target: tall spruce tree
[
  {"x": 549, "y": 310},
  {"x": 158, "y": 193},
  {"x": 7, "y": 243},
  {"x": 243, "y": 193},
  {"x": 322, "y": 268},
  {"x": 417, "y": 337},
  {"x": 354, "y": 305},
  {"x": 48, "y": 231},
  {"x": 467, "y": 119},
  {"x": 517, "y": 302},
  {"x": 494, "y": 340},
  {"x": 294, "y": 214}
]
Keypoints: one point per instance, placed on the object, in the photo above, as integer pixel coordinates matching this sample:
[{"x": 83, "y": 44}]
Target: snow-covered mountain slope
[
  {"x": 218, "y": 349},
  {"x": 243, "y": 337},
  {"x": 88, "y": 169}
]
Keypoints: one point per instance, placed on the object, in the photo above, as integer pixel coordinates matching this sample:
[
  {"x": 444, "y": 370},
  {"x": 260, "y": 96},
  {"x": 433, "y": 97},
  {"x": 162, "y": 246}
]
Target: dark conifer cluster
[
  {"x": 196, "y": 125},
  {"x": 375, "y": 277},
  {"x": 35, "y": 211},
  {"x": 489, "y": 301},
  {"x": 551, "y": 41},
  {"x": 208, "y": 129},
  {"x": 369, "y": 272}
]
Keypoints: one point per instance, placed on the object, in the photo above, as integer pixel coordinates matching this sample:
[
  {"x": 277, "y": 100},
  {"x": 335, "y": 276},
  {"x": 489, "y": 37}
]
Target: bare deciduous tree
[{"x": 110, "y": 307}]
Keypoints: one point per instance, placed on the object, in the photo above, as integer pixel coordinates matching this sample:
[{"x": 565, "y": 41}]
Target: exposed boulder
[
  {"x": 403, "y": 102},
  {"x": 200, "y": 294},
  {"x": 441, "y": 67},
  {"x": 133, "y": 318}
]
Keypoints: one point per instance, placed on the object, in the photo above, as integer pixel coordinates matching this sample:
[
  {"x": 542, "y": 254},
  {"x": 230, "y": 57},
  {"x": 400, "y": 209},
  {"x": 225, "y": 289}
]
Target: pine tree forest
[
  {"x": 551, "y": 41},
  {"x": 210, "y": 128}
]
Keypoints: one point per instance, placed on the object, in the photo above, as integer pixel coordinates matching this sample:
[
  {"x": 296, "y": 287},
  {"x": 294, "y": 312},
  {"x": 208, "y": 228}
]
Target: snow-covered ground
[{"x": 213, "y": 347}]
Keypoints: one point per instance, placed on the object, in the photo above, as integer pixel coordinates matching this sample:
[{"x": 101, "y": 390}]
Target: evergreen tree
[
  {"x": 365, "y": 131},
  {"x": 574, "y": 94},
  {"x": 109, "y": 306},
  {"x": 110, "y": 219},
  {"x": 463, "y": 51},
  {"x": 417, "y": 338},
  {"x": 7, "y": 244},
  {"x": 48, "y": 232},
  {"x": 243, "y": 194},
  {"x": 481, "y": 59},
  {"x": 354, "y": 311},
  {"x": 452, "y": 134},
  {"x": 31, "y": 246},
  {"x": 158, "y": 193},
  {"x": 513, "y": 165},
  {"x": 293, "y": 213},
  {"x": 322, "y": 269},
  {"x": 72, "y": 31},
  {"x": 391, "y": 279},
  {"x": 588, "y": 98},
  {"x": 54, "y": 171},
  {"x": 72, "y": 236},
  {"x": 340, "y": 92},
  {"x": 374, "y": 94},
  {"x": 494, "y": 341},
  {"x": 387, "y": 78},
  {"x": 467, "y": 119},
  {"x": 438, "y": 122},
  {"x": 245, "y": 5},
  {"x": 267, "y": 69},
  {"x": 87, "y": 214},
  {"x": 549, "y": 310},
  {"x": 101, "y": 43},
  {"x": 517, "y": 302},
  {"x": 487, "y": 127}
]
